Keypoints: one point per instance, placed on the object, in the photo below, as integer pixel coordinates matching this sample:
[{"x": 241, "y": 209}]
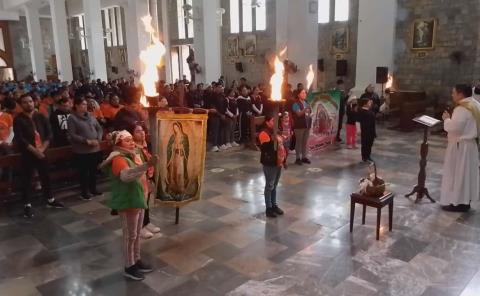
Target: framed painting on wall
[
  {"x": 250, "y": 45},
  {"x": 340, "y": 40},
  {"x": 423, "y": 34},
  {"x": 181, "y": 145},
  {"x": 232, "y": 47}
]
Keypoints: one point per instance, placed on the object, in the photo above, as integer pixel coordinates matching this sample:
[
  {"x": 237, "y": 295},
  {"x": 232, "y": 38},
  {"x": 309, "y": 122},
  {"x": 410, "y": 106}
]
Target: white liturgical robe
[{"x": 461, "y": 180}]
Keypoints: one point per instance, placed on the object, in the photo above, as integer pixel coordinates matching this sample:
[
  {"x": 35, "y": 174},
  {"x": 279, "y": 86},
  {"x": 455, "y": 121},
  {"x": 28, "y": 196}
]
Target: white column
[
  {"x": 35, "y": 42},
  {"x": 374, "y": 50},
  {"x": 207, "y": 42},
  {"x": 60, "y": 38},
  {"x": 302, "y": 39},
  {"x": 95, "y": 41},
  {"x": 137, "y": 38},
  {"x": 281, "y": 24},
  {"x": 165, "y": 37}
]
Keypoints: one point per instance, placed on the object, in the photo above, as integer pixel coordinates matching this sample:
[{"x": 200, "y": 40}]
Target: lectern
[{"x": 420, "y": 188}]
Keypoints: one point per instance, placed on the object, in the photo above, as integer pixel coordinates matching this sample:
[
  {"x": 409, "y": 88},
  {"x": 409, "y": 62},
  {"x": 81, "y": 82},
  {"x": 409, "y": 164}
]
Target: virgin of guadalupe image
[{"x": 177, "y": 160}]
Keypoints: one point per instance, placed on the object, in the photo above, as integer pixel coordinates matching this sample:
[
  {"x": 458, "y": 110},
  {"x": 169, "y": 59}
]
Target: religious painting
[
  {"x": 325, "y": 107},
  {"x": 232, "y": 47},
  {"x": 250, "y": 45},
  {"x": 423, "y": 34},
  {"x": 340, "y": 40},
  {"x": 181, "y": 144}
]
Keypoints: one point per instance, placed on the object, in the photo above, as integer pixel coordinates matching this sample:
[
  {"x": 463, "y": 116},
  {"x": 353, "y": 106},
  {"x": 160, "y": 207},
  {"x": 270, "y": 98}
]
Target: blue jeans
[{"x": 272, "y": 176}]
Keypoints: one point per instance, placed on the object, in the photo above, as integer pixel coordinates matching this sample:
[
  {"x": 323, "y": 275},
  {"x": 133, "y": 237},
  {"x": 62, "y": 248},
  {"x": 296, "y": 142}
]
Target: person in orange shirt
[
  {"x": 110, "y": 110},
  {"x": 6, "y": 131},
  {"x": 46, "y": 105}
]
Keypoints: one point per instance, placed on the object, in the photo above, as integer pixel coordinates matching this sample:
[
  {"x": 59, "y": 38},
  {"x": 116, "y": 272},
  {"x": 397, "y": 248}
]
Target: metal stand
[{"x": 420, "y": 188}]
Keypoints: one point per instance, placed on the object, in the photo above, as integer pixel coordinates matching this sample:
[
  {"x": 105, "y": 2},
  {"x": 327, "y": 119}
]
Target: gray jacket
[{"x": 82, "y": 128}]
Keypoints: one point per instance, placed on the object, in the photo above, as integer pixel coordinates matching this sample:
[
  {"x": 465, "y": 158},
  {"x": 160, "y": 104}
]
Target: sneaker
[
  {"x": 228, "y": 145},
  {"x": 28, "y": 212},
  {"x": 235, "y": 144},
  {"x": 215, "y": 149},
  {"x": 145, "y": 234},
  {"x": 133, "y": 273},
  {"x": 143, "y": 267},
  {"x": 298, "y": 162},
  {"x": 270, "y": 213},
  {"x": 306, "y": 160},
  {"x": 55, "y": 204},
  {"x": 277, "y": 210},
  {"x": 292, "y": 152},
  {"x": 86, "y": 196},
  {"x": 223, "y": 148},
  {"x": 152, "y": 228}
]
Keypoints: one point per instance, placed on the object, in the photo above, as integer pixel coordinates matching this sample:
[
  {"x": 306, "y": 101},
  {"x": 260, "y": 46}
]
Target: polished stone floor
[{"x": 225, "y": 246}]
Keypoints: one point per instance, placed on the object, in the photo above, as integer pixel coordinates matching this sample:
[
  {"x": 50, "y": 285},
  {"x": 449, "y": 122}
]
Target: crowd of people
[{"x": 36, "y": 116}]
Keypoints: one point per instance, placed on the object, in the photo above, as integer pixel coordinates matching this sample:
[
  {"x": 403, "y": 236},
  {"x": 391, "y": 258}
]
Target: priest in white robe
[{"x": 461, "y": 180}]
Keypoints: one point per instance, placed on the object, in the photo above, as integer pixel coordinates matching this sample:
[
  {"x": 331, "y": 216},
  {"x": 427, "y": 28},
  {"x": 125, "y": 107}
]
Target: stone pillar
[
  {"x": 137, "y": 38},
  {"x": 207, "y": 42},
  {"x": 60, "y": 39},
  {"x": 35, "y": 42},
  {"x": 374, "y": 50},
  {"x": 95, "y": 40},
  {"x": 165, "y": 38}
]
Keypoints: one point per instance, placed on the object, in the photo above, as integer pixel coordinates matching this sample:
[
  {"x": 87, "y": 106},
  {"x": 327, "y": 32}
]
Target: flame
[
  {"x": 389, "y": 83},
  {"x": 151, "y": 58},
  {"x": 277, "y": 80},
  {"x": 310, "y": 76},
  {"x": 283, "y": 52}
]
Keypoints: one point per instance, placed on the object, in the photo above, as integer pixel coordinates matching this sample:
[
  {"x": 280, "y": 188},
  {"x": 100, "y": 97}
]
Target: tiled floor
[{"x": 225, "y": 246}]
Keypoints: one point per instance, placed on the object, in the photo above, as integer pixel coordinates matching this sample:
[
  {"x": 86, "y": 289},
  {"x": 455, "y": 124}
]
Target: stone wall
[
  {"x": 457, "y": 31},
  {"x": 255, "y": 67},
  {"x": 328, "y": 78},
  {"x": 22, "y": 63}
]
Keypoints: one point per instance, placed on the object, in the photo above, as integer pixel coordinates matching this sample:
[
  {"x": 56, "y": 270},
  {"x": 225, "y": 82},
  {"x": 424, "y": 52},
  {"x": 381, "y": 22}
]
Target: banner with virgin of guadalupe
[
  {"x": 181, "y": 144},
  {"x": 325, "y": 109}
]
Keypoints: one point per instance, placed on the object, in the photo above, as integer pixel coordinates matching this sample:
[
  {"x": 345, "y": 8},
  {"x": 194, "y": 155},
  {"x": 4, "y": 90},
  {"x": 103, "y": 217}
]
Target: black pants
[
  {"x": 244, "y": 128},
  {"x": 214, "y": 127},
  {"x": 367, "y": 143},
  {"x": 29, "y": 164},
  {"x": 87, "y": 168}
]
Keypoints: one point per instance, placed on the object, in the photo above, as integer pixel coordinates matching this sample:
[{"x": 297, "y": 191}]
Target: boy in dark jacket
[
  {"x": 272, "y": 158},
  {"x": 366, "y": 117}
]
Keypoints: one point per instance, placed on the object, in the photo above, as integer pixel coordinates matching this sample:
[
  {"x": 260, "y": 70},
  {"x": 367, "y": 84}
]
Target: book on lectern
[{"x": 427, "y": 120}]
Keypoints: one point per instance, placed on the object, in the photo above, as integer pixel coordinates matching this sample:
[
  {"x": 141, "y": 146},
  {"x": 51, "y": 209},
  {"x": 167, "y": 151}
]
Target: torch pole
[{"x": 275, "y": 124}]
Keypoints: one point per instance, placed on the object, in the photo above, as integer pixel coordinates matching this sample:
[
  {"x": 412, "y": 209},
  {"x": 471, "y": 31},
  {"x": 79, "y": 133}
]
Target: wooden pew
[{"x": 54, "y": 156}]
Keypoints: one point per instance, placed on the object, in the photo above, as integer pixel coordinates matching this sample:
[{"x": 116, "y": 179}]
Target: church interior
[{"x": 240, "y": 147}]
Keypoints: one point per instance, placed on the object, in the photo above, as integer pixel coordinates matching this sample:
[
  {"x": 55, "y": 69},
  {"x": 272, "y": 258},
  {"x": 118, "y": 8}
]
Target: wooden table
[{"x": 378, "y": 203}]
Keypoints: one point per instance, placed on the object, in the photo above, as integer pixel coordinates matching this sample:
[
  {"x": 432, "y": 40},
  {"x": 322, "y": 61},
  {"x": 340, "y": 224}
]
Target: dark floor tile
[
  {"x": 116, "y": 284},
  {"x": 406, "y": 248},
  {"x": 219, "y": 278},
  {"x": 222, "y": 252},
  {"x": 66, "y": 286},
  {"x": 191, "y": 287},
  {"x": 209, "y": 225}
]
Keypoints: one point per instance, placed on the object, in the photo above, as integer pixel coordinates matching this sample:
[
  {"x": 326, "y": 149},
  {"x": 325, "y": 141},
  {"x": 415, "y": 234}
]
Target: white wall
[
  {"x": 376, "y": 36},
  {"x": 302, "y": 39}
]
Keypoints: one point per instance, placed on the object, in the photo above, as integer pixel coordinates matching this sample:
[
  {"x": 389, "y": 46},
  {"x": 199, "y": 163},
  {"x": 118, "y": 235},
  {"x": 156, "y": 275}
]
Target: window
[
  {"x": 185, "y": 19},
  {"x": 247, "y": 22},
  {"x": 323, "y": 11},
  {"x": 113, "y": 26},
  {"x": 234, "y": 17},
  {"x": 261, "y": 16},
  {"x": 250, "y": 10},
  {"x": 118, "y": 13},
  {"x": 342, "y": 8},
  {"x": 81, "y": 31},
  {"x": 179, "y": 55}
]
